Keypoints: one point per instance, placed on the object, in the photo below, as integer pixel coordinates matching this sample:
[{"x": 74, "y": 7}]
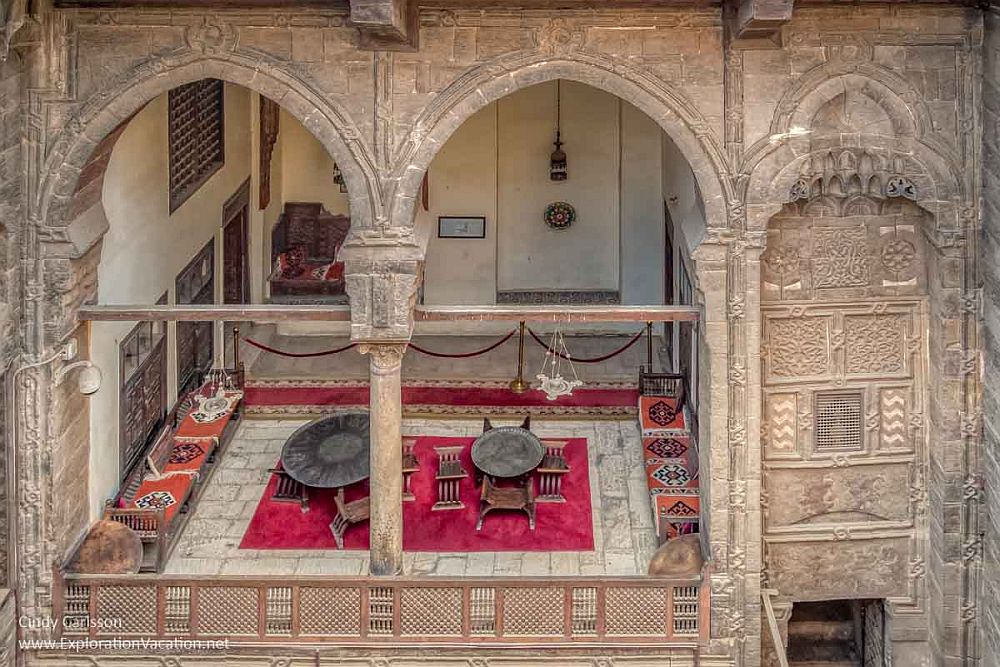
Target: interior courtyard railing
[{"x": 397, "y": 610}]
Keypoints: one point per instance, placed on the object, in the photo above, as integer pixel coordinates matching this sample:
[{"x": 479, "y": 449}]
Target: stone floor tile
[
  {"x": 259, "y": 566},
  {"x": 193, "y": 566},
  {"x": 480, "y": 564},
  {"x": 450, "y": 566},
  {"x": 565, "y": 564},
  {"x": 536, "y": 564},
  {"x": 508, "y": 564}
]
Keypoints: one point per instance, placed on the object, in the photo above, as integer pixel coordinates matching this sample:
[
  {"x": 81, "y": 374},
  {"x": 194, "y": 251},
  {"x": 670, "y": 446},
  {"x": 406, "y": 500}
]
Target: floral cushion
[{"x": 290, "y": 264}]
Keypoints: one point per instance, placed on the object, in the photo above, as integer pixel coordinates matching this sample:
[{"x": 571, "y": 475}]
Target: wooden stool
[
  {"x": 449, "y": 476},
  {"x": 551, "y": 471},
  {"x": 410, "y": 466},
  {"x": 289, "y": 490},
  {"x": 495, "y": 497},
  {"x": 347, "y": 515}
]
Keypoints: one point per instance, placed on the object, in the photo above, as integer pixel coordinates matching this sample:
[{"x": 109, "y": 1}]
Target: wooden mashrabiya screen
[{"x": 396, "y": 610}]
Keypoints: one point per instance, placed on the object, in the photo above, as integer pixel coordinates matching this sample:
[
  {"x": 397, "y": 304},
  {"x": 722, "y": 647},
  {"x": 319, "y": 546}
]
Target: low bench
[{"x": 156, "y": 499}]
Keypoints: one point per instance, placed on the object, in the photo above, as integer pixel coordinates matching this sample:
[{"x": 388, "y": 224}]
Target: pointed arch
[
  {"x": 107, "y": 109},
  {"x": 491, "y": 81}
]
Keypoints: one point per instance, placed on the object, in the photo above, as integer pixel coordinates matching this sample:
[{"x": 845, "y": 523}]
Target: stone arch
[
  {"x": 102, "y": 112},
  {"x": 489, "y": 82},
  {"x": 777, "y": 162}
]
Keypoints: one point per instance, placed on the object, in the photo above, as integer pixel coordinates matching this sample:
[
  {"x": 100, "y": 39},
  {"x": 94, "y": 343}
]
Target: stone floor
[
  {"x": 499, "y": 364},
  {"x": 624, "y": 534}
]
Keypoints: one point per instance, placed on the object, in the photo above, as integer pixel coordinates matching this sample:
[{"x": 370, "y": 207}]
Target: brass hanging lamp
[{"x": 557, "y": 161}]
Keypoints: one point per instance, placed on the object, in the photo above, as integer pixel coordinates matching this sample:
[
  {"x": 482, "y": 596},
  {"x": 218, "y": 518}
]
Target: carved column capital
[
  {"x": 385, "y": 357},
  {"x": 383, "y": 294}
]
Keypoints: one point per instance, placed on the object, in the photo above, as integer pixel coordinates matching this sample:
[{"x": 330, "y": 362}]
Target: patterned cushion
[
  {"x": 666, "y": 447},
  {"x": 328, "y": 272}
]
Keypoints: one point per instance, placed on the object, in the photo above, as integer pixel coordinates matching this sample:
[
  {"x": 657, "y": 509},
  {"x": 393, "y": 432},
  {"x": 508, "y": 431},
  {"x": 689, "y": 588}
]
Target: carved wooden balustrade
[{"x": 397, "y": 610}]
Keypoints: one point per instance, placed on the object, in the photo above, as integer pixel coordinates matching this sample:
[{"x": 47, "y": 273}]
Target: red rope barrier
[
  {"x": 297, "y": 355},
  {"x": 464, "y": 354},
  {"x": 592, "y": 360}
]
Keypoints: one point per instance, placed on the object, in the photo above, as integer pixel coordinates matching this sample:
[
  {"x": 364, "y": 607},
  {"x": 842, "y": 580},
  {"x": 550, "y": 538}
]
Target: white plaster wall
[
  {"x": 496, "y": 165},
  {"x": 307, "y": 169},
  {"x": 146, "y": 247},
  {"x": 530, "y": 254},
  {"x": 680, "y": 191},
  {"x": 462, "y": 180}
]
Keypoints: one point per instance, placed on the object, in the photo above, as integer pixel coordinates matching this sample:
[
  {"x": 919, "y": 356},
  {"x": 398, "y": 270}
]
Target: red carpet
[
  {"x": 277, "y": 397},
  {"x": 560, "y": 526}
]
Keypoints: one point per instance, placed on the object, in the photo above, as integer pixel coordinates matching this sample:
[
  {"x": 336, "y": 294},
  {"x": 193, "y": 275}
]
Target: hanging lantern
[
  {"x": 557, "y": 162},
  {"x": 338, "y": 177}
]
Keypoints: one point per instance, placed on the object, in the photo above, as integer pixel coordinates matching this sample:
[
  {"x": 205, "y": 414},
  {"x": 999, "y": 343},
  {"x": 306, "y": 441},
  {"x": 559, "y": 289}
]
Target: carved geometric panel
[
  {"x": 780, "y": 412},
  {"x": 875, "y": 344},
  {"x": 840, "y": 257},
  {"x": 798, "y": 347},
  {"x": 862, "y": 568},
  {"x": 857, "y": 494},
  {"x": 893, "y": 420}
]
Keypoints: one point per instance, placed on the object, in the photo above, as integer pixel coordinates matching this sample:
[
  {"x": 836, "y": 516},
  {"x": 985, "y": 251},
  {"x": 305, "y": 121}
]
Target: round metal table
[
  {"x": 331, "y": 452},
  {"x": 507, "y": 451}
]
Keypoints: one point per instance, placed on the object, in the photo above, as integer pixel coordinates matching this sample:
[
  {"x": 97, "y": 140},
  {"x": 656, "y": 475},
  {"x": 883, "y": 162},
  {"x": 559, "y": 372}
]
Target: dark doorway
[{"x": 236, "y": 247}]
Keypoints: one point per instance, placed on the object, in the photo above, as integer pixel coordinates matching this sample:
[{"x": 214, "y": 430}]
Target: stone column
[{"x": 386, "y": 401}]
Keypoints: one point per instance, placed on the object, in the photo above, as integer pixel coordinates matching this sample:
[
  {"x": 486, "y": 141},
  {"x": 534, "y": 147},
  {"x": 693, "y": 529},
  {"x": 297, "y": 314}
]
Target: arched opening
[{"x": 211, "y": 193}]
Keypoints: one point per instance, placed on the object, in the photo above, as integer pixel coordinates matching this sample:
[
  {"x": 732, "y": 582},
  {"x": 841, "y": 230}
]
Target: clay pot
[{"x": 680, "y": 556}]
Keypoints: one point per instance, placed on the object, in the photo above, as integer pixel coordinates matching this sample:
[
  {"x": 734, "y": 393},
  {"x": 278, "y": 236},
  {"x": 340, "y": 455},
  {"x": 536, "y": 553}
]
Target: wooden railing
[{"x": 397, "y": 610}]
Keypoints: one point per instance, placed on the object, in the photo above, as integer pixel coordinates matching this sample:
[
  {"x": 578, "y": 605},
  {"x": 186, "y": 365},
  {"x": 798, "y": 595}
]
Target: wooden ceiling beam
[
  {"x": 387, "y": 24},
  {"x": 761, "y": 19}
]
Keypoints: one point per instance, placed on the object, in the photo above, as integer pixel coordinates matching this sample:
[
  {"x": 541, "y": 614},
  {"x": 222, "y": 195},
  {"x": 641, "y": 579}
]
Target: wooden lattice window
[
  {"x": 142, "y": 390},
  {"x": 839, "y": 420},
  {"x": 196, "y": 136},
  {"x": 195, "y": 285}
]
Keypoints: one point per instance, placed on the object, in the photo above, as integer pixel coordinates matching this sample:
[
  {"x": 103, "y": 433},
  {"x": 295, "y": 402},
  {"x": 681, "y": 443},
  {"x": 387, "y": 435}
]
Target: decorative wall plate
[{"x": 559, "y": 215}]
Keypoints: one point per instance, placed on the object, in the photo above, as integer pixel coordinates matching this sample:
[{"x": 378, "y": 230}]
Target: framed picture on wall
[{"x": 452, "y": 227}]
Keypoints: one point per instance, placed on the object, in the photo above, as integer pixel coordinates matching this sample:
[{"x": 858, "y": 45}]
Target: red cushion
[{"x": 328, "y": 272}]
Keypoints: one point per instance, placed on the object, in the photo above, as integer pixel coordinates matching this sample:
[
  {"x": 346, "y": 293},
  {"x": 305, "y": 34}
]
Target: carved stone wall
[
  {"x": 844, "y": 392},
  {"x": 862, "y": 108},
  {"x": 990, "y": 608}
]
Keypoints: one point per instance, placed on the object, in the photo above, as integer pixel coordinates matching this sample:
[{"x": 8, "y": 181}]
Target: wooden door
[{"x": 235, "y": 258}]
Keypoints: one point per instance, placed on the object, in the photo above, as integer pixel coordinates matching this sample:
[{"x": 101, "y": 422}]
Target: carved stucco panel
[
  {"x": 840, "y": 258},
  {"x": 875, "y": 344},
  {"x": 798, "y": 347},
  {"x": 858, "y": 494},
  {"x": 838, "y": 569}
]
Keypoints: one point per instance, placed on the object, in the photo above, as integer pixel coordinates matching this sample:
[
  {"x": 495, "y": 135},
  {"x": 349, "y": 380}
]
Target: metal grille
[
  {"x": 839, "y": 420},
  {"x": 76, "y": 611},
  {"x": 430, "y": 611},
  {"x": 330, "y": 612},
  {"x": 635, "y": 611},
  {"x": 686, "y": 610},
  {"x": 533, "y": 611},
  {"x": 380, "y": 611},
  {"x": 129, "y": 610},
  {"x": 177, "y": 612},
  {"x": 196, "y": 136},
  {"x": 279, "y": 611},
  {"x": 227, "y": 611},
  {"x": 584, "y": 611},
  {"x": 482, "y": 611}
]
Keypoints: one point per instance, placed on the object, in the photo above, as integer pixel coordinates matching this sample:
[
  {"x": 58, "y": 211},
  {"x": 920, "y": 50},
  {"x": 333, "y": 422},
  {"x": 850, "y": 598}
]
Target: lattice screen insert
[
  {"x": 840, "y": 420},
  {"x": 196, "y": 136}
]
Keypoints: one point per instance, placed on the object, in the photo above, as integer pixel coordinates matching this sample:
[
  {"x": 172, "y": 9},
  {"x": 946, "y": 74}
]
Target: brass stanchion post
[
  {"x": 649, "y": 346},
  {"x": 236, "y": 348},
  {"x": 518, "y": 385}
]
